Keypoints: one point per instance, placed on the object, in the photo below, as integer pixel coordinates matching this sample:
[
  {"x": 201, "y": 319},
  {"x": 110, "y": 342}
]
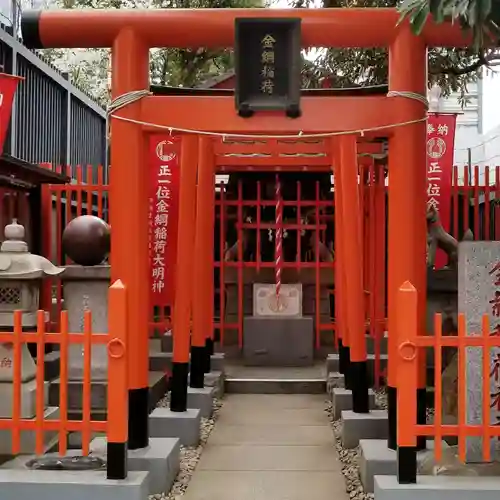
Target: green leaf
[
  {"x": 435, "y": 8},
  {"x": 418, "y": 19}
]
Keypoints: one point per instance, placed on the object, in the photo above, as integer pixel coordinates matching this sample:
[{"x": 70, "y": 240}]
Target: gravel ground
[
  {"x": 189, "y": 456},
  {"x": 350, "y": 458}
]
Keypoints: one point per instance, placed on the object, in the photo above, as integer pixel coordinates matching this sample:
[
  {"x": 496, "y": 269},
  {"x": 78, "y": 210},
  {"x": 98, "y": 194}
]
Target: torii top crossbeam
[{"x": 211, "y": 28}]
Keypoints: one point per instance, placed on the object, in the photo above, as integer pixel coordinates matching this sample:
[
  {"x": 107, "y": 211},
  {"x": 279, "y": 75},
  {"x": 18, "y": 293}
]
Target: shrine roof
[{"x": 22, "y": 174}]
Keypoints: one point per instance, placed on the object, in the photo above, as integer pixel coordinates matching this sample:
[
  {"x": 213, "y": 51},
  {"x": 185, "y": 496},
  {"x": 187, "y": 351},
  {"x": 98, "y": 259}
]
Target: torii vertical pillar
[
  {"x": 407, "y": 202},
  {"x": 341, "y": 331},
  {"x": 184, "y": 274},
  {"x": 129, "y": 223},
  {"x": 203, "y": 264},
  {"x": 352, "y": 259}
]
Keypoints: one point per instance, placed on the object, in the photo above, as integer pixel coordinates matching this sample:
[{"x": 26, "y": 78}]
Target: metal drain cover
[{"x": 66, "y": 463}]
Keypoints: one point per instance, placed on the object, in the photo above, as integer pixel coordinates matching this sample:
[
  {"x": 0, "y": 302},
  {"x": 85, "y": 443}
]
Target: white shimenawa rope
[{"x": 136, "y": 95}]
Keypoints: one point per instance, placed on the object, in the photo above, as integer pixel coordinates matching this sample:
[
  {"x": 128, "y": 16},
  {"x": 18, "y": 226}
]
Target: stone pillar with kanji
[{"x": 479, "y": 294}]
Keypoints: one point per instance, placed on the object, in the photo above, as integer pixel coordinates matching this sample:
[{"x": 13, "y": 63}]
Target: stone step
[
  {"x": 275, "y": 386},
  {"x": 162, "y": 361},
  {"x": 158, "y": 384},
  {"x": 332, "y": 363}
]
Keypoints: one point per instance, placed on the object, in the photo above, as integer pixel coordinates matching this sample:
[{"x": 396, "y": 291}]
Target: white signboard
[{"x": 288, "y": 304}]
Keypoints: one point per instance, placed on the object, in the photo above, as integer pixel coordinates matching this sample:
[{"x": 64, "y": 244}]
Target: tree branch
[{"x": 483, "y": 60}]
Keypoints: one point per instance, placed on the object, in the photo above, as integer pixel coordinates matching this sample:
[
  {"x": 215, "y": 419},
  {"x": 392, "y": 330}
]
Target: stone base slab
[
  {"x": 438, "y": 488},
  {"x": 357, "y": 426},
  {"x": 216, "y": 380},
  {"x": 202, "y": 399},
  {"x": 183, "y": 425},
  {"x": 334, "y": 379},
  {"x": 376, "y": 459},
  {"x": 342, "y": 400},
  {"x": 17, "y": 484},
  {"x": 160, "y": 458}
]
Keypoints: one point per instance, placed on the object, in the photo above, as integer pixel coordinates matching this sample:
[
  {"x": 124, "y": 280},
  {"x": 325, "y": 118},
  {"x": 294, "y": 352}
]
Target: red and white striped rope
[{"x": 279, "y": 237}]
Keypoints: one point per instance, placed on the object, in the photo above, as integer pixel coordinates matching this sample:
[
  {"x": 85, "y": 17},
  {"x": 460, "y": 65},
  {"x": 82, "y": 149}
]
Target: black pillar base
[
  {"x": 178, "y": 395},
  {"x": 209, "y": 342},
  {"x": 209, "y": 350},
  {"x": 407, "y": 465},
  {"x": 392, "y": 412},
  {"x": 359, "y": 379},
  {"x": 198, "y": 360},
  {"x": 138, "y": 418},
  {"x": 392, "y": 417},
  {"x": 343, "y": 357},
  {"x": 421, "y": 416},
  {"x": 347, "y": 368},
  {"x": 116, "y": 461}
]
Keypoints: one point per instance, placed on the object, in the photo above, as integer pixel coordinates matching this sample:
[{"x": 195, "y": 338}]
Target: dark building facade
[{"x": 52, "y": 120}]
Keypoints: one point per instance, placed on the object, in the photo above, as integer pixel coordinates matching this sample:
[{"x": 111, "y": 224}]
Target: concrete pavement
[{"x": 269, "y": 447}]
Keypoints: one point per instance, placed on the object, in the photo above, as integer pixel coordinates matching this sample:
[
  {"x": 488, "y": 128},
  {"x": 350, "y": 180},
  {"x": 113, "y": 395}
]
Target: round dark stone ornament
[{"x": 86, "y": 240}]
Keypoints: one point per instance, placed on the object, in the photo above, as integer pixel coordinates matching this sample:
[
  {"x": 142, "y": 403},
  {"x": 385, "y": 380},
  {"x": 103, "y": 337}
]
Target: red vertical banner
[
  {"x": 163, "y": 216},
  {"x": 440, "y": 150},
  {"x": 8, "y": 86}
]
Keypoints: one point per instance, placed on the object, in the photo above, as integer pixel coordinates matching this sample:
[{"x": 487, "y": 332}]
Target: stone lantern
[{"x": 21, "y": 274}]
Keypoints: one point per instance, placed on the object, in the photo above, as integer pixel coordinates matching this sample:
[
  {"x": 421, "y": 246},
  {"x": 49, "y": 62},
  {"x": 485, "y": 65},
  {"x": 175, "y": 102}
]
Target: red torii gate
[{"x": 130, "y": 34}]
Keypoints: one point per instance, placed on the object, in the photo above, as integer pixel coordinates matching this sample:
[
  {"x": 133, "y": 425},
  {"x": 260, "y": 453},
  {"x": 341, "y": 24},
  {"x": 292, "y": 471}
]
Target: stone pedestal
[
  {"x": 28, "y": 390},
  {"x": 277, "y": 334},
  {"x": 478, "y": 295},
  {"x": 28, "y": 369},
  {"x": 86, "y": 288},
  {"x": 278, "y": 341}
]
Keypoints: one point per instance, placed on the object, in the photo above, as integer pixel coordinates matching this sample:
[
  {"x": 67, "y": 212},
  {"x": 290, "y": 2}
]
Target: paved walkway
[{"x": 269, "y": 447}]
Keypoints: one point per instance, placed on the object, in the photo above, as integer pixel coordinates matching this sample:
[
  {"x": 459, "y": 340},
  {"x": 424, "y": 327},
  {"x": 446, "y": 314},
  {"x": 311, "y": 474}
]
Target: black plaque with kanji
[{"x": 268, "y": 65}]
